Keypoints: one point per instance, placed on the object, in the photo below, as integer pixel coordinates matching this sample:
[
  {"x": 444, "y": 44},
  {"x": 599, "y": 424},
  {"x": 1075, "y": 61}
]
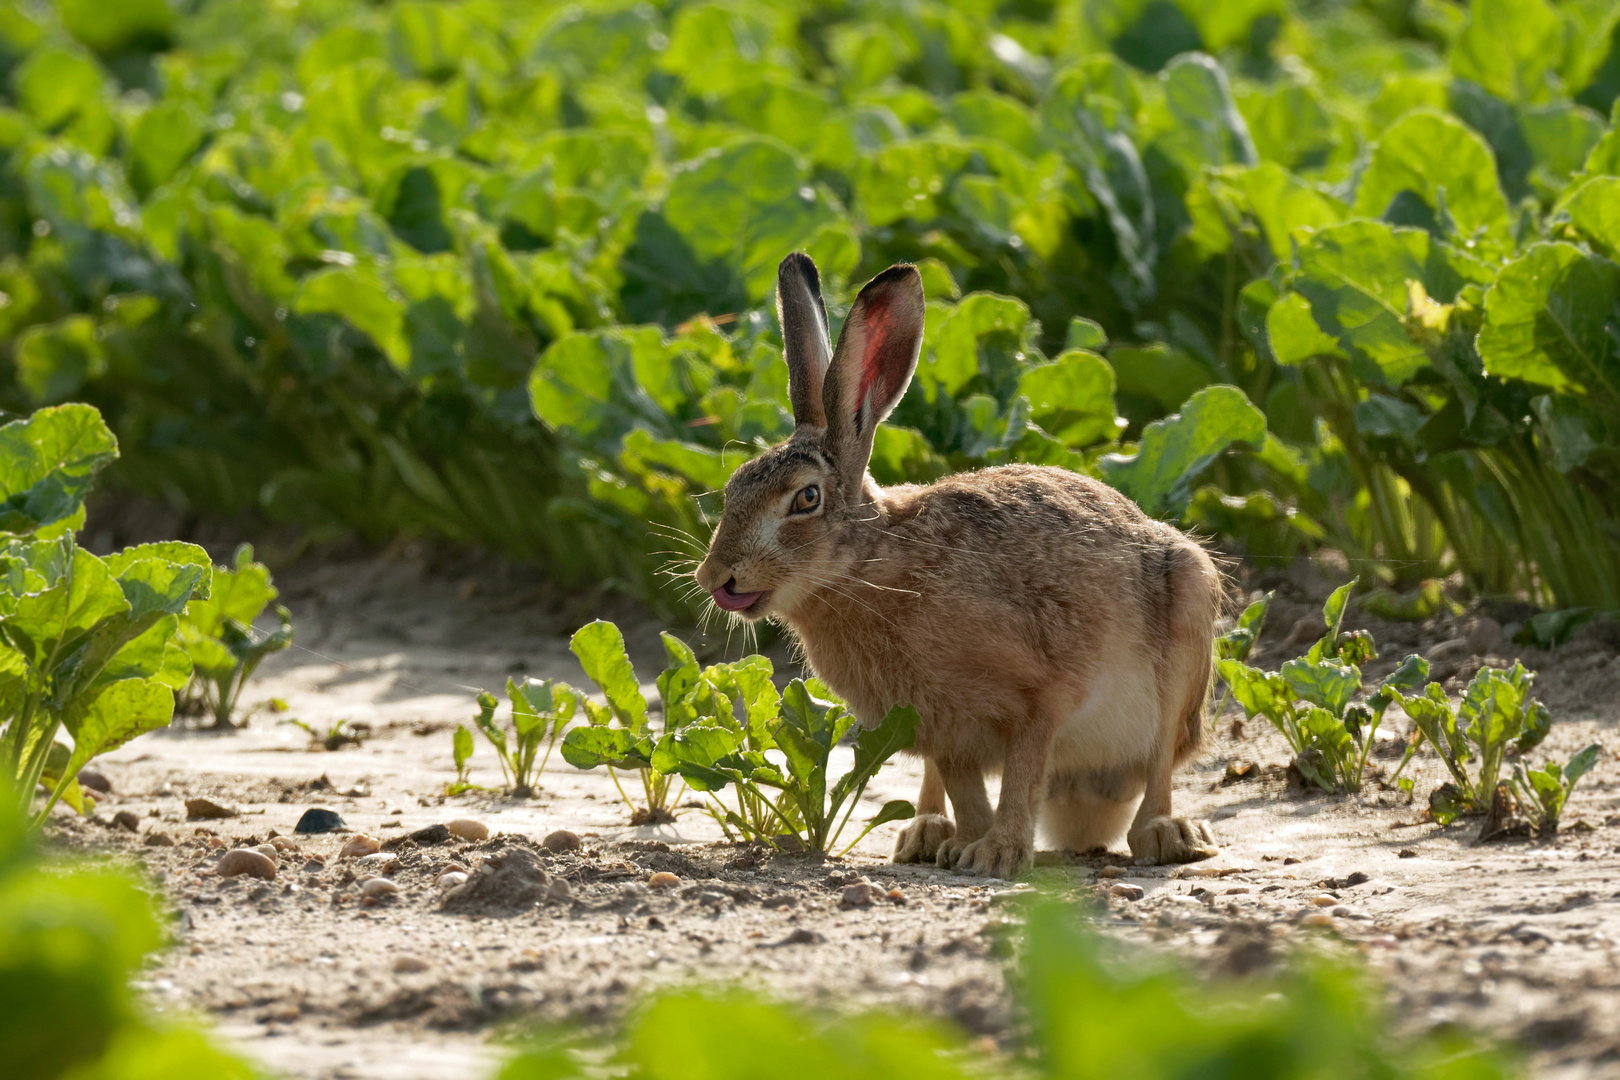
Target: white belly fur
[{"x": 1118, "y": 723}]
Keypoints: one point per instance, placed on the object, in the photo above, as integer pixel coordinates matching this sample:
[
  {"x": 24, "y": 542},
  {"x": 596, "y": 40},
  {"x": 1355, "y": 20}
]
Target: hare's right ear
[
  {"x": 877, "y": 353},
  {"x": 805, "y": 343}
]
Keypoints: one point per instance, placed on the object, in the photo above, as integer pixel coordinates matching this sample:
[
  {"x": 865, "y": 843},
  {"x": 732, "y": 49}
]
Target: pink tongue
[{"x": 734, "y": 601}]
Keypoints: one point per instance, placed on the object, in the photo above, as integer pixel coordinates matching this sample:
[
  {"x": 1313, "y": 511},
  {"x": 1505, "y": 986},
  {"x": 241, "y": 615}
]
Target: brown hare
[{"x": 1039, "y": 622}]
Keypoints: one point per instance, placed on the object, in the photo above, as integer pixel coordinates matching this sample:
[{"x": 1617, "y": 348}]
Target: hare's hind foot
[
  {"x": 1167, "y": 839},
  {"x": 920, "y": 840}
]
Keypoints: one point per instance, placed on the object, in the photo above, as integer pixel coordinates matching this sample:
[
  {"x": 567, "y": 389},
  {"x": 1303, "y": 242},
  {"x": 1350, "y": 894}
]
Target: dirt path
[{"x": 1514, "y": 938}]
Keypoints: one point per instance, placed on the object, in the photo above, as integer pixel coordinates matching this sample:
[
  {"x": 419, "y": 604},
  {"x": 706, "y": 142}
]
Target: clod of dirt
[
  {"x": 207, "y": 810},
  {"x": 504, "y": 884},
  {"x": 1349, "y": 881},
  {"x": 559, "y": 889},
  {"x": 318, "y": 819},
  {"x": 359, "y": 846},
  {"x": 663, "y": 880},
  {"x": 859, "y": 895},
  {"x": 1406, "y": 853},
  {"x": 246, "y": 861},
  {"x": 801, "y": 936},
  {"x": 126, "y": 819},
  {"x": 432, "y": 834},
  {"x": 561, "y": 840},
  {"x": 159, "y": 839},
  {"x": 95, "y": 780},
  {"x": 409, "y": 965},
  {"x": 467, "y": 829},
  {"x": 657, "y": 816},
  {"x": 1125, "y": 891}
]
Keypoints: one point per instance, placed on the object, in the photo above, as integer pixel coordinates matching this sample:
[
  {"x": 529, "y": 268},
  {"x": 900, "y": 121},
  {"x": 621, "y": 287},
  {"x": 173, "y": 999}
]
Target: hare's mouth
[{"x": 730, "y": 600}]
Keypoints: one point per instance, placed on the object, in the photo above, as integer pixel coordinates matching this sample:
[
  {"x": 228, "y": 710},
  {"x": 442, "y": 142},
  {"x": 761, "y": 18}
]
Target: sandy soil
[{"x": 1516, "y": 938}]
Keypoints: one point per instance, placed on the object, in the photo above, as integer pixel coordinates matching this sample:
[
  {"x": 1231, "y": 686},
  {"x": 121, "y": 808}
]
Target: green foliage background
[{"x": 501, "y": 271}]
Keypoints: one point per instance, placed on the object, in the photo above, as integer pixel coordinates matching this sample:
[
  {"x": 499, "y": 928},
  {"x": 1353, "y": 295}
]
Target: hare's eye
[{"x": 808, "y": 500}]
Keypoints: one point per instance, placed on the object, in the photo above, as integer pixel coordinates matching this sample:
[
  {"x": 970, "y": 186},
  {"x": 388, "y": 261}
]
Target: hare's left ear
[
  {"x": 805, "y": 344},
  {"x": 876, "y": 355}
]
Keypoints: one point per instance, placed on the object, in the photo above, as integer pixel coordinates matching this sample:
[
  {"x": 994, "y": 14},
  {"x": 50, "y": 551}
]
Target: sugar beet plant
[
  {"x": 541, "y": 708},
  {"x": 727, "y": 726},
  {"x": 218, "y": 634},
  {"x": 1311, "y": 699},
  {"x": 89, "y": 646},
  {"x": 1496, "y": 716},
  {"x": 1543, "y": 793}
]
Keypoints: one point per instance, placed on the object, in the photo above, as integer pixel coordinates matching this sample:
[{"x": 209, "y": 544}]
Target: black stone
[{"x": 318, "y": 820}]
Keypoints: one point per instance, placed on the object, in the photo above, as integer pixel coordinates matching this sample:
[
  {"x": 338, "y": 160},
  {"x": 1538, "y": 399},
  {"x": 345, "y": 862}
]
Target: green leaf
[
  {"x": 1546, "y": 318},
  {"x": 48, "y": 464},
  {"x": 1510, "y": 47},
  {"x": 1442, "y": 163},
  {"x": 874, "y": 746},
  {"x": 1324, "y": 683},
  {"x": 588, "y": 747},
  {"x": 55, "y": 359},
  {"x": 1175, "y": 450},
  {"x": 1334, "y": 608},
  {"x": 1293, "y": 334},
  {"x": 48, "y": 625},
  {"x": 1072, "y": 398},
  {"x": 105, "y": 719},
  {"x": 145, "y": 25},
  {"x": 1355, "y": 278},
  {"x": 461, "y": 747},
  {"x": 600, "y": 649},
  {"x": 1581, "y": 764},
  {"x": 1251, "y": 688},
  {"x": 696, "y": 753}
]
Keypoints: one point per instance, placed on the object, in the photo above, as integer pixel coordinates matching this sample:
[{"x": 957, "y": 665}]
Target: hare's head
[{"x": 787, "y": 510}]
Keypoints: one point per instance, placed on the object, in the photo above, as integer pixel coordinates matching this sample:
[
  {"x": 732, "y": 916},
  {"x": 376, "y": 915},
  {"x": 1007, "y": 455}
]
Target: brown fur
[{"x": 1039, "y": 622}]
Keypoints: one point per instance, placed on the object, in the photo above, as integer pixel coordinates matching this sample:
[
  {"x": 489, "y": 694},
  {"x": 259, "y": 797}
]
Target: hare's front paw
[
  {"x": 996, "y": 856},
  {"x": 920, "y": 839},
  {"x": 1172, "y": 840}
]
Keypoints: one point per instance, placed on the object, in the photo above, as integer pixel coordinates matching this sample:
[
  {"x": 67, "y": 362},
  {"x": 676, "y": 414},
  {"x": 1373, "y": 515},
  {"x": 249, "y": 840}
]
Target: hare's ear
[
  {"x": 805, "y": 344},
  {"x": 877, "y": 352}
]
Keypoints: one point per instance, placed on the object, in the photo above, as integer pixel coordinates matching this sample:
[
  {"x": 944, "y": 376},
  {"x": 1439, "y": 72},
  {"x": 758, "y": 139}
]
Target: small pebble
[
  {"x": 126, "y": 819},
  {"x": 450, "y": 879},
  {"x": 559, "y": 889},
  {"x": 358, "y": 845},
  {"x": 269, "y": 851},
  {"x": 246, "y": 861},
  {"x": 431, "y": 834},
  {"x": 1110, "y": 872},
  {"x": 1317, "y": 918},
  {"x": 1325, "y": 901},
  {"x": 409, "y": 965},
  {"x": 897, "y": 896},
  {"x": 860, "y": 894},
  {"x": 1240, "y": 890},
  {"x": 661, "y": 880},
  {"x": 95, "y": 780},
  {"x": 378, "y": 888},
  {"x": 467, "y": 829},
  {"x": 561, "y": 840},
  {"x": 1124, "y": 891},
  {"x": 314, "y": 866},
  {"x": 318, "y": 819},
  {"x": 1406, "y": 853},
  {"x": 159, "y": 839},
  {"x": 281, "y": 843},
  {"x": 713, "y": 899}
]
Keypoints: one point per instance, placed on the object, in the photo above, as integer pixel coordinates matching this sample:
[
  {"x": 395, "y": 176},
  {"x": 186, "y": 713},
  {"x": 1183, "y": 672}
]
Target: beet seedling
[
  {"x": 541, "y": 708},
  {"x": 1543, "y": 793},
  {"x": 619, "y": 735},
  {"x": 217, "y": 633},
  {"x": 1310, "y": 699},
  {"x": 1496, "y": 713}
]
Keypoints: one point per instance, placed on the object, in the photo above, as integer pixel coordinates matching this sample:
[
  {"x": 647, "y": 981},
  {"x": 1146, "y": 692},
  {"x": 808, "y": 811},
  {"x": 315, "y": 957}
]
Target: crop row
[{"x": 305, "y": 258}]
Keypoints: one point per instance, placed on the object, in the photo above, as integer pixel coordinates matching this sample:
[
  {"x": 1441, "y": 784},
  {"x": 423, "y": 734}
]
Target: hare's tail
[{"x": 1194, "y": 588}]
